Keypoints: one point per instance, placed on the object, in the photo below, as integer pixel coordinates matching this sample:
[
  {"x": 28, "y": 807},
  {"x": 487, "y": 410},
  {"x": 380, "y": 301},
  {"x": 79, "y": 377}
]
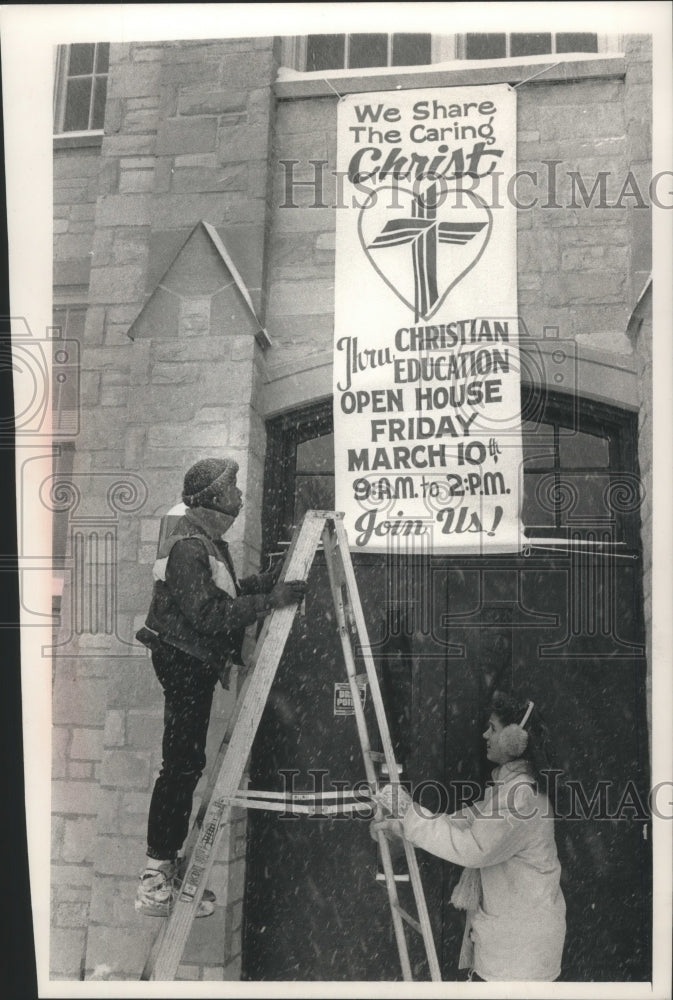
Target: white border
[{"x": 28, "y": 34}]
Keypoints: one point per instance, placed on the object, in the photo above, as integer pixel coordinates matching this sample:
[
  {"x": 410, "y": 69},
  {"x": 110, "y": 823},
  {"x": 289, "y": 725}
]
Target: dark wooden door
[{"x": 562, "y": 625}]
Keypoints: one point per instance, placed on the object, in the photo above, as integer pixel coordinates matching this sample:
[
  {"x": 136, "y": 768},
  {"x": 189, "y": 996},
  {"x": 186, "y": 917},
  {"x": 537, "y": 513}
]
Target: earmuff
[{"x": 514, "y": 738}]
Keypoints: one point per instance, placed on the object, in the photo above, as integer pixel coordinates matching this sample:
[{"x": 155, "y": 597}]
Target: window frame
[
  {"x": 461, "y": 44},
  {"x": 443, "y": 48},
  {"x": 60, "y": 92}
]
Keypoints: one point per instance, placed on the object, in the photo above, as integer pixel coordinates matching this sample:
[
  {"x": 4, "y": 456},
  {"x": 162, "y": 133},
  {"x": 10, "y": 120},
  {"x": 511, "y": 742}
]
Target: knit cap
[{"x": 204, "y": 475}]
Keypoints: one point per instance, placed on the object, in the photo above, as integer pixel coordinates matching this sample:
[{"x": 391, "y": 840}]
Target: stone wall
[{"x": 186, "y": 139}]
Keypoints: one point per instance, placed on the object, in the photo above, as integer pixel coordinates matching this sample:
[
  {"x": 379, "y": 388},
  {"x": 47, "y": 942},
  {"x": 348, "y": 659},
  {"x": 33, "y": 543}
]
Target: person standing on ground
[
  {"x": 195, "y": 629},
  {"x": 510, "y": 887}
]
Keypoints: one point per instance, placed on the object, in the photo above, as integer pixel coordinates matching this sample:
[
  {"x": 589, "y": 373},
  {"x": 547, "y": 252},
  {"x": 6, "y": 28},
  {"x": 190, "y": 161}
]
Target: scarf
[
  {"x": 467, "y": 893},
  {"x": 213, "y": 522}
]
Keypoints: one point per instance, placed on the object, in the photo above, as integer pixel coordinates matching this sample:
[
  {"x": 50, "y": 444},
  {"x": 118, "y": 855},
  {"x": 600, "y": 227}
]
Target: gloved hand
[
  {"x": 288, "y": 592},
  {"x": 394, "y": 800},
  {"x": 389, "y": 826}
]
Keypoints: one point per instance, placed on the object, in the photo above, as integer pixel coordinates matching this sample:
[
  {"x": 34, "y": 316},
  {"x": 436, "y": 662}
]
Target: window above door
[
  {"x": 579, "y": 471},
  {"x": 330, "y": 52}
]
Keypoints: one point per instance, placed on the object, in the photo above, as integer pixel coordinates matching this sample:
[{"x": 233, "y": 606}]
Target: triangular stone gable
[{"x": 201, "y": 285}]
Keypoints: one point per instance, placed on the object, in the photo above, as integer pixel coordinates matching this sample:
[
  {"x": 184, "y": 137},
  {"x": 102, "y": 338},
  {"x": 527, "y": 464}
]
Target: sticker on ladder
[{"x": 343, "y": 699}]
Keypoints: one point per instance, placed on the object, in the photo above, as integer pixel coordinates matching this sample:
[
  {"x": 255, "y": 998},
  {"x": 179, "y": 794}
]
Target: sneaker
[
  {"x": 178, "y": 878},
  {"x": 157, "y": 893}
]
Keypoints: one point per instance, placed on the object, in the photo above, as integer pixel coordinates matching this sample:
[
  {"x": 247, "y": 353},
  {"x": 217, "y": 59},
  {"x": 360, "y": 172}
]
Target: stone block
[
  {"x": 72, "y": 876},
  {"x": 71, "y": 894},
  {"x": 213, "y": 973},
  {"x": 638, "y": 72},
  {"x": 71, "y": 247},
  {"x": 132, "y": 682},
  {"x": 585, "y": 289},
  {"x": 71, "y": 272},
  {"x": 87, "y": 744},
  {"x": 236, "y": 915},
  {"x": 83, "y": 213},
  {"x": 294, "y": 220},
  {"x": 79, "y": 700},
  {"x": 148, "y": 53},
  {"x": 76, "y": 797},
  {"x": 116, "y": 283},
  {"x": 176, "y": 373},
  {"x": 246, "y": 70},
  {"x": 236, "y": 880},
  {"x": 128, "y": 145},
  {"x": 297, "y": 298},
  {"x": 57, "y": 830},
  {"x": 204, "y": 100},
  {"x": 306, "y": 116},
  {"x": 192, "y": 72},
  {"x": 80, "y": 769},
  {"x": 112, "y": 899},
  {"x": 188, "y": 973},
  {"x": 142, "y": 120},
  {"x": 237, "y": 143},
  {"x": 205, "y": 943},
  {"x": 145, "y": 729},
  {"x": 72, "y": 915},
  {"x": 232, "y": 970},
  {"x": 78, "y": 840},
  {"x": 60, "y": 739},
  {"x": 125, "y": 769},
  {"x": 588, "y": 257},
  {"x": 124, "y": 210},
  {"x": 119, "y": 855},
  {"x": 231, "y": 177},
  {"x": 194, "y": 135},
  {"x": 136, "y": 181},
  {"x": 134, "y": 80},
  {"x": 581, "y": 120},
  {"x": 123, "y": 949},
  {"x": 66, "y": 949}
]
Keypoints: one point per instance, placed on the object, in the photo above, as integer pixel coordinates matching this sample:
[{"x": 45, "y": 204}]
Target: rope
[{"x": 539, "y": 73}]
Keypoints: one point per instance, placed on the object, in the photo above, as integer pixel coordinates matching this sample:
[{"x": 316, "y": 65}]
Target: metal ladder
[{"x": 317, "y": 526}]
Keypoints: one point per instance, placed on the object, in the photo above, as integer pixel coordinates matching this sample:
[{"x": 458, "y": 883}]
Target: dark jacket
[{"x": 190, "y": 610}]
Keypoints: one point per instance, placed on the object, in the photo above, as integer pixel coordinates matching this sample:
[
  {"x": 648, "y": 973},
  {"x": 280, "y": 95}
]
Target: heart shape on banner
[{"x": 423, "y": 244}]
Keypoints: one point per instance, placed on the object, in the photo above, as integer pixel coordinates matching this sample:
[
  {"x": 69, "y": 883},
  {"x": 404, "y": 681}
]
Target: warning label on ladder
[{"x": 343, "y": 700}]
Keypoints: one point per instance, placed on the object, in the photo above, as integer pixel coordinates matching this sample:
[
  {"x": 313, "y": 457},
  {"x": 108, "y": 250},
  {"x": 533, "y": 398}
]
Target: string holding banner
[{"x": 427, "y": 399}]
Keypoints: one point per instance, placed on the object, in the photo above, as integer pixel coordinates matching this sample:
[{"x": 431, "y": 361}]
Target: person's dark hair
[{"x": 510, "y": 708}]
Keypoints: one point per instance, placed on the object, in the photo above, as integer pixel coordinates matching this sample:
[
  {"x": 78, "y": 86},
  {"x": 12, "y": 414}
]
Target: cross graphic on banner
[{"x": 424, "y": 233}]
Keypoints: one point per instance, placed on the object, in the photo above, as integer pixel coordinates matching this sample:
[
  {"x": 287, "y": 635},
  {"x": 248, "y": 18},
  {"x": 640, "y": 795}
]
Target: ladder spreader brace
[{"x": 229, "y": 769}]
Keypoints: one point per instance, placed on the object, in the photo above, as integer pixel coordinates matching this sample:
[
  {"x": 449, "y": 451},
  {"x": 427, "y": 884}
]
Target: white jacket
[{"x": 517, "y": 932}]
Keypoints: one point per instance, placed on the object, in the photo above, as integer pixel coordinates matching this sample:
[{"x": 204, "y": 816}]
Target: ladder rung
[{"x": 409, "y": 919}]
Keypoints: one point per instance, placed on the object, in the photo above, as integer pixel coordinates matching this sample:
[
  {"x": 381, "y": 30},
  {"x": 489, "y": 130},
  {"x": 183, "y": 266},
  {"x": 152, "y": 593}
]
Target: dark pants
[{"x": 188, "y": 690}]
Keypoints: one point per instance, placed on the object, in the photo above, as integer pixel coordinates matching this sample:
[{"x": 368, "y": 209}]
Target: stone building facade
[{"x": 203, "y": 303}]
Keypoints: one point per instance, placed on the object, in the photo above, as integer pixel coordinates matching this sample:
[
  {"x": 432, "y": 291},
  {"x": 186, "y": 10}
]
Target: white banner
[{"x": 426, "y": 364}]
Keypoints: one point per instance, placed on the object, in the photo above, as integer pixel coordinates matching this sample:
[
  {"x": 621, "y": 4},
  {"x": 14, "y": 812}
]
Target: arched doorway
[{"x": 562, "y": 621}]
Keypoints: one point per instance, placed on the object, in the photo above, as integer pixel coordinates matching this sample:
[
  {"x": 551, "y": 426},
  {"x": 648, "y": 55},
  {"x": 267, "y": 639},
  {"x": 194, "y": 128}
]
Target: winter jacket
[
  {"x": 198, "y": 604},
  {"x": 518, "y": 929}
]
